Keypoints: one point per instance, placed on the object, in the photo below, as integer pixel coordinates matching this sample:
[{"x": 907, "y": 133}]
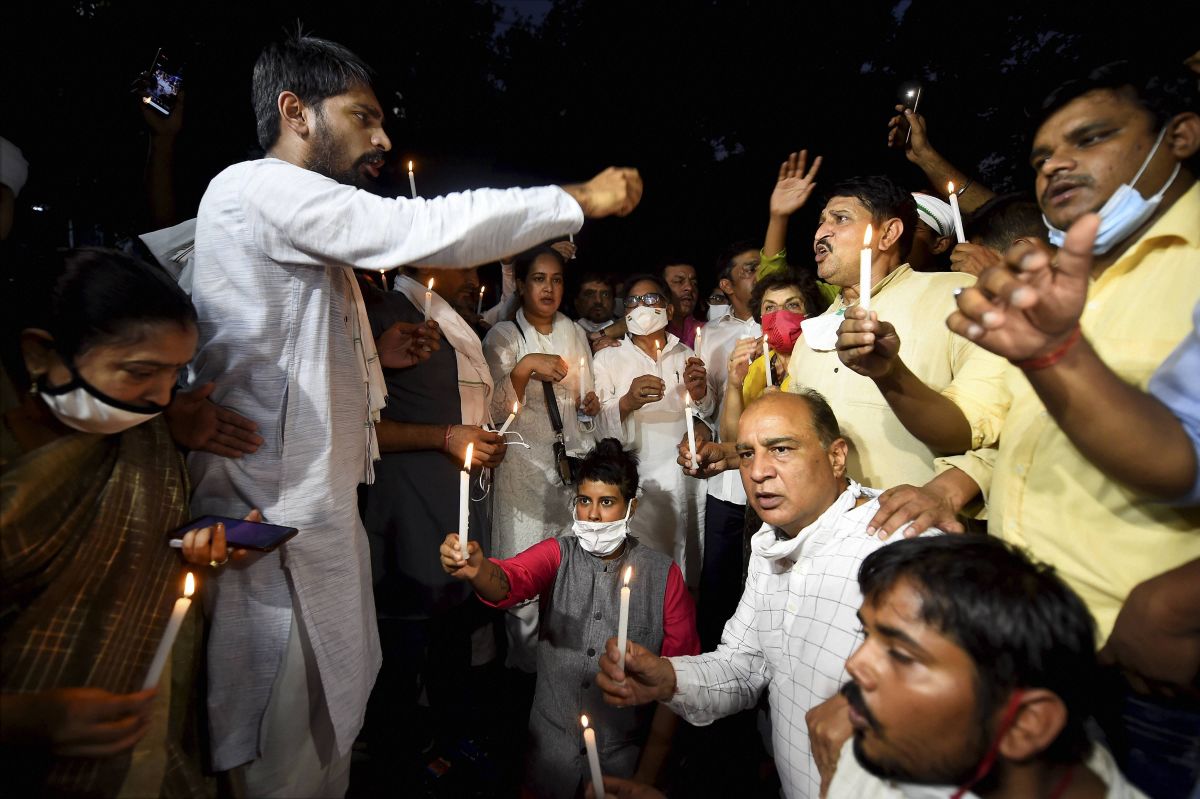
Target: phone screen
[
  {"x": 165, "y": 82},
  {"x": 243, "y": 534}
]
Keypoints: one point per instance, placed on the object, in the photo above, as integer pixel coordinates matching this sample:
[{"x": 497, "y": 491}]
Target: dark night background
[{"x": 706, "y": 98}]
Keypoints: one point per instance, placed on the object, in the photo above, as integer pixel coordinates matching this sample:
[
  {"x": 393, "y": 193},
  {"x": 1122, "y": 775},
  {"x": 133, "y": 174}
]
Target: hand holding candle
[
  {"x": 623, "y": 618},
  {"x": 691, "y": 430},
  {"x": 168, "y": 640},
  {"x": 954, "y": 209},
  {"x": 464, "y": 497},
  {"x": 428, "y": 298},
  {"x": 865, "y": 280},
  {"x": 593, "y": 756}
]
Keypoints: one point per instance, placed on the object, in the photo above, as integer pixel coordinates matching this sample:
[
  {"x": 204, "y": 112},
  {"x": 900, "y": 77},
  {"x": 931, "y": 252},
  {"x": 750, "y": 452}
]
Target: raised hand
[
  {"x": 1030, "y": 306},
  {"x": 867, "y": 345},
  {"x": 794, "y": 185},
  {"x": 739, "y": 359},
  {"x": 614, "y": 192},
  {"x": 916, "y": 147},
  {"x": 695, "y": 377},
  {"x": 643, "y": 391}
]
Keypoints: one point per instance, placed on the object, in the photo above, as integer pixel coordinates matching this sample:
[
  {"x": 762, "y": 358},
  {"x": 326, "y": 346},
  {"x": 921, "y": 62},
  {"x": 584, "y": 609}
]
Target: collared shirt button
[
  {"x": 597, "y": 616},
  {"x": 591, "y": 652}
]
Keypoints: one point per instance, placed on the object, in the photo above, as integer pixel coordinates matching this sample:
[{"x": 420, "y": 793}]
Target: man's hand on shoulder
[{"x": 614, "y": 192}]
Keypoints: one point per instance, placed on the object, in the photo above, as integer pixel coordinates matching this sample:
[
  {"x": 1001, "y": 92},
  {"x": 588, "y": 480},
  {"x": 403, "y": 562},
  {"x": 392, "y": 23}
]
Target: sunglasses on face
[{"x": 653, "y": 298}]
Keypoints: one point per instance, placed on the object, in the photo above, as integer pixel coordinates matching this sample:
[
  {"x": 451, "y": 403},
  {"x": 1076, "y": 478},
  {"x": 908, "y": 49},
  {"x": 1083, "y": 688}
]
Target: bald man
[{"x": 797, "y": 621}]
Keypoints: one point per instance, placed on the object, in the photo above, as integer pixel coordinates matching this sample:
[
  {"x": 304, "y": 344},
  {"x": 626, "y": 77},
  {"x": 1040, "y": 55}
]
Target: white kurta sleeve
[
  {"x": 502, "y": 350},
  {"x": 296, "y": 216},
  {"x": 718, "y": 684},
  {"x": 609, "y": 389}
]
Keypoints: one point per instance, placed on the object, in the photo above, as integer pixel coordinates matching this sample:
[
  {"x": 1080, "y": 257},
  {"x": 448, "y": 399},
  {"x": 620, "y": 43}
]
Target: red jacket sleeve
[
  {"x": 679, "y": 617},
  {"x": 530, "y": 573}
]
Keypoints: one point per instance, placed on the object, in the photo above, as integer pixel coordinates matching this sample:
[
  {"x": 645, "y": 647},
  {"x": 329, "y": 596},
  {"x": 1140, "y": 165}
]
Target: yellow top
[{"x": 1102, "y": 538}]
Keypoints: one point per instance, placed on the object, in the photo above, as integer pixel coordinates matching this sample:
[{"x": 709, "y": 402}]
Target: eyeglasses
[{"x": 653, "y": 298}]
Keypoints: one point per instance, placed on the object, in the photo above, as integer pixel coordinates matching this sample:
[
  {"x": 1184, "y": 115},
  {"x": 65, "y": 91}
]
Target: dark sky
[{"x": 706, "y": 98}]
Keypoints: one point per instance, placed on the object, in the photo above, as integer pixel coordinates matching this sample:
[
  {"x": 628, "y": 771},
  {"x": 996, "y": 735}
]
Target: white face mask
[
  {"x": 715, "y": 312},
  {"x": 86, "y": 408},
  {"x": 602, "y": 538},
  {"x": 643, "y": 321},
  {"x": 1124, "y": 212}
]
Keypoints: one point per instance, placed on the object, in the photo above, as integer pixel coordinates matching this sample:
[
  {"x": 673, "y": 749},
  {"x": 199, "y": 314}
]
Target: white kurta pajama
[
  {"x": 275, "y": 301},
  {"x": 670, "y": 511}
]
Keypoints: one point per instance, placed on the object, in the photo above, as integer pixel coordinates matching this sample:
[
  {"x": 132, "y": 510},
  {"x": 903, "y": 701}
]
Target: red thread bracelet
[{"x": 1044, "y": 361}]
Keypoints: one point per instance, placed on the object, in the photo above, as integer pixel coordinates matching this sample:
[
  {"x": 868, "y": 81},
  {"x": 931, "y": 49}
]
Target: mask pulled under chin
[
  {"x": 782, "y": 329},
  {"x": 602, "y": 538},
  {"x": 1124, "y": 212},
  {"x": 643, "y": 321},
  {"x": 85, "y": 408}
]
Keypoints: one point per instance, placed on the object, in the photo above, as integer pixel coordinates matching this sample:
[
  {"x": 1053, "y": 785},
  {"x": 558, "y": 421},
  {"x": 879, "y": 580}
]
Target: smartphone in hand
[
  {"x": 163, "y": 83},
  {"x": 242, "y": 534}
]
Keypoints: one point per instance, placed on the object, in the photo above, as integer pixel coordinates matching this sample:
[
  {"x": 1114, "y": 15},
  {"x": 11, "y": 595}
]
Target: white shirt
[
  {"x": 593, "y": 327},
  {"x": 717, "y": 342},
  {"x": 852, "y": 781},
  {"x": 670, "y": 511},
  {"x": 271, "y": 285},
  {"x": 793, "y": 630}
]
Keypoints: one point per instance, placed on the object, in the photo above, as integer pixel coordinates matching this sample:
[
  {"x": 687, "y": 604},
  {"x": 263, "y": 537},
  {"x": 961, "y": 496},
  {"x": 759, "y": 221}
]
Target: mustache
[
  {"x": 854, "y": 696},
  {"x": 371, "y": 159},
  {"x": 1067, "y": 182},
  {"x": 824, "y": 241}
]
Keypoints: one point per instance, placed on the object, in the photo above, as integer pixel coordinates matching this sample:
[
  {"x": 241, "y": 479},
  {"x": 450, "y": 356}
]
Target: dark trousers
[{"x": 722, "y": 575}]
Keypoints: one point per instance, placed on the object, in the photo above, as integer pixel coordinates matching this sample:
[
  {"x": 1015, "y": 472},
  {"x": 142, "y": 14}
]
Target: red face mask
[{"x": 782, "y": 328}]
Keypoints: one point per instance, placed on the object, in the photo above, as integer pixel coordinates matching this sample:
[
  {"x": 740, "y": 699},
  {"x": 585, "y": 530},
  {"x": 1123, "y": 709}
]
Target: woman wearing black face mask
[{"x": 92, "y": 487}]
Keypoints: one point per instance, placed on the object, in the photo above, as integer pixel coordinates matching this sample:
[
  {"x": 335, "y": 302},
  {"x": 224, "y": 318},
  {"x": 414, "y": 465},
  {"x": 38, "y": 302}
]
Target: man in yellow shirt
[{"x": 1122, "y": 143}]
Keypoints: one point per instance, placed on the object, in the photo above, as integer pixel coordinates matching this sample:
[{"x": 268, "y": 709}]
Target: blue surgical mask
[{"x": 1125, "y": 211}]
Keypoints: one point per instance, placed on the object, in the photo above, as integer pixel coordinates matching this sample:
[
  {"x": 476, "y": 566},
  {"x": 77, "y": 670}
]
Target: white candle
[
  {"x": 509, "y": 420},
  {"x": 428, "y": 298},
  {"x": 658, "y": 359},
  {"x": 479, "y": 305},
  {"x": 168, "y": 640},
  {"x": 864, "y": 272},
  {"x": 582, "y": 380},
  {"x": 464, "y": 496},
  {"x": 690, "y": 428},
  {"x": 767, "y": 363},
  {"x": 699, "y": 339},
  {"x": 593, "y": 756},
  {"x": 412, "y": 181},
  {"x": 954, "y": 209},
  {"x": 623, "y": 618},
  {"x": 916, "y": 102}
]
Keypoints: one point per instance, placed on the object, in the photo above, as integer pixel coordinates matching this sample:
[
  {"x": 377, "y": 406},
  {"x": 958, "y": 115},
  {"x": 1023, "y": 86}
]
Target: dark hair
[
  {"x": 655, "y": 279},
  {"x": 595, "y": 277},
  {"x": 814, "y": 303},
  {"x": 1017, "y": 620},
  {"x": 523, "y": 262},
  {"x": 1004, "y": 219},
  {"x": 884, "y": 199},
  {"x": 311, "y": 68},
  {"x": 609, "y": 463},
  {"x": 94, "y": 296},
  {"x": 824, "y": 422},
  {"x": 725, "y": 259}
]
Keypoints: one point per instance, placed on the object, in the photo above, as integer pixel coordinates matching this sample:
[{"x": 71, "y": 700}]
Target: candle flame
[
  {"x": 628, "y": 574},
  {"x": 189, "y": 585},
  {"x": 467, "y": 459},
  {"x": 867, "y": 237},
  {"x": 910, "y": 92},
  {"x": 950, "y": 187},
  {"x": 431, "y": 284},
  {"x": 410, "y": 166},
  {"x": 583, "y": 720},
  {"x": 481, "y": 288}
]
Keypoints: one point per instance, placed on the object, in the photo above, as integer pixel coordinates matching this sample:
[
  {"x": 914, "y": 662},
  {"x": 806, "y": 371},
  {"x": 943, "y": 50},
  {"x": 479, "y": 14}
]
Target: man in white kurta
[
  {"x": 797, "y": 620},
  {"x": 276, "y": 298}
]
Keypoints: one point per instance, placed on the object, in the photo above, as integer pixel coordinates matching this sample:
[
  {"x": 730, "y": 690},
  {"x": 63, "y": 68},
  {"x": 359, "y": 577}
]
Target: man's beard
[
  {"x": 325, "y": 154},
  {"x": 956, "y": 771}
]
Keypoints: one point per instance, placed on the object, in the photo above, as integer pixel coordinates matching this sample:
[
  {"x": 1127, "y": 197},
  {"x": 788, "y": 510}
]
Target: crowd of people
[{"x": 918, "y": 516}]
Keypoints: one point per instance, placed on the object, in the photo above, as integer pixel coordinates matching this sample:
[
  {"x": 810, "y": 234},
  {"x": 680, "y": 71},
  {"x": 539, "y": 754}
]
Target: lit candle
[
  {"x": 699, "y": 339},
  {"x": 767, "y": 363},
  {"x": 509, "y": 420},
  {"x": 428, "y": 298},
  {"x": 464, "y": 495},
  {"x": 582, "y": 380},
  {"x": 916, "y": 101},
  {"x": 658, "y": 359},
  {"x": 958, "y": 223},
  {"x": 623, "y": 618},
  {"x": 479, "y": 305},
  {"x": 864, "y": 272},
  {"x": 412, "y": 181},
  {"x": 168, "y": 640},
  {"x": 687, "y": 398},
  {"x": 593, "y": 756}
]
